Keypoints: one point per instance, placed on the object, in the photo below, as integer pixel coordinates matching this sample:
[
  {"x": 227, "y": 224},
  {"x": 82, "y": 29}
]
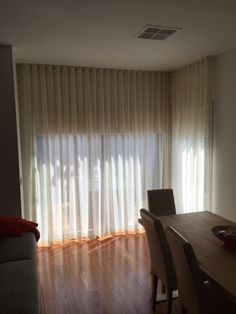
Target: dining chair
[
  {"x": 161, "y": 262},
  {"x": 161, "y": 202},
  {"x": 196, "y": 296}
]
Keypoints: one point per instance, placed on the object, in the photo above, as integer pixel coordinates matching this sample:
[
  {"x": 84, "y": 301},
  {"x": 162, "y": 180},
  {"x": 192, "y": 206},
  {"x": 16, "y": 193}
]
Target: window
[{"x": 95, "y": 185}]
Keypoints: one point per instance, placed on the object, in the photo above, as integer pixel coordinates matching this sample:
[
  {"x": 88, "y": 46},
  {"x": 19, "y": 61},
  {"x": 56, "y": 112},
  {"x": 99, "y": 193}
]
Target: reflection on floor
[{"x": 110, "y": 276}]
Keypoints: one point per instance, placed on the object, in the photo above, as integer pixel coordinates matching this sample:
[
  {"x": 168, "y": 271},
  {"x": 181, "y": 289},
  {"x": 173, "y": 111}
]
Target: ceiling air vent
[{"x": 156, "y": 32}]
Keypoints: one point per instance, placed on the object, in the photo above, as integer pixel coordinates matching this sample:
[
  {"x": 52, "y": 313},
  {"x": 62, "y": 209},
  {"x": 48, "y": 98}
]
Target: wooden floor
[{"x": 110, "y": 276}]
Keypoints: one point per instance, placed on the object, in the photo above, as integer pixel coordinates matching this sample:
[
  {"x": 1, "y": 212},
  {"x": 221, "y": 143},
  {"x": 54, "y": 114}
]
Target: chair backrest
[
  {"x": 161, "y": 202},
  {"x": 189, "y": 277},
  {"x": 161, "y": 262}
]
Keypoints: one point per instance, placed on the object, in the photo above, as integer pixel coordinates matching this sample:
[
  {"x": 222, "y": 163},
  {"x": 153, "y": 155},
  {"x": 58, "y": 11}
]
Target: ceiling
[{"x": 100, "y": 33}]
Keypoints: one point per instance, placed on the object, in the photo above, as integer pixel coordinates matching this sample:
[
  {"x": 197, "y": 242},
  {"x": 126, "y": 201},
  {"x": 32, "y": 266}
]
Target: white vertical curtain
[
  {"x": 93, "y": 141},
  {"x": 192, "y": 136}
]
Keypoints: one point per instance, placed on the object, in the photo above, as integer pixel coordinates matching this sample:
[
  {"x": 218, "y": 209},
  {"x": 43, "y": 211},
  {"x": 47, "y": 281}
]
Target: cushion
[{"x": 15, "y": 226}]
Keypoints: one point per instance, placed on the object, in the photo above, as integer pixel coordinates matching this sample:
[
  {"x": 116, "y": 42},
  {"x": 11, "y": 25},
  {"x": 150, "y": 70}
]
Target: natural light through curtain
[
  {"x": 191, "y": 136},
  {"x": 90, "y": 181},
  {"x": 93, "y": 141}
]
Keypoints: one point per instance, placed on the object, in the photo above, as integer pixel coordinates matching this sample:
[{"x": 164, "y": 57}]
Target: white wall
[{"x": 224, "y": 141}]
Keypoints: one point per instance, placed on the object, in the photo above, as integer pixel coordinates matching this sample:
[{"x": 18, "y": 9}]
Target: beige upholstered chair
[
  {"x": 161, "y": 202},
  {"x": 195, "y": 295},
  {"x": 161, "y": 263}
]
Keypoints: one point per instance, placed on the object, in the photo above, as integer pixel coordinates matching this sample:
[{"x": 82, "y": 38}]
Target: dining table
[{"x": 217, "y": 262}]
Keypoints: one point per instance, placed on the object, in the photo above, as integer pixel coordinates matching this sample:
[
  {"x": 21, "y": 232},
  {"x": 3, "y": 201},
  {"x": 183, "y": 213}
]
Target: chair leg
[
  {"x": 169, "y": 301},
  {"x": 163, "y": 288},
  {"x": 154, "y": 290}
]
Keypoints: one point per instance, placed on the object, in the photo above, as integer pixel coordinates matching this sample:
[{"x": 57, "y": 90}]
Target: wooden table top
[{"x": 218, "y": 263}]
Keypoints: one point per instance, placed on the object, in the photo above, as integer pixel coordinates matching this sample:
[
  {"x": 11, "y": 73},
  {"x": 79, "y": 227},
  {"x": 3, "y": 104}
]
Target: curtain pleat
[
  {"x": 93, "y": 141},
  {"x": 191, "y": 136},
  {"x": 89, "y": 99}
]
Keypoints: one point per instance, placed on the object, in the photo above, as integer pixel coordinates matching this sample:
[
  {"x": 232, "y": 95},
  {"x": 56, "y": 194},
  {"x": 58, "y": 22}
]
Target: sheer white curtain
[
  {"x": 93, "y": 141},
  {"x": 191, "y": 136}
]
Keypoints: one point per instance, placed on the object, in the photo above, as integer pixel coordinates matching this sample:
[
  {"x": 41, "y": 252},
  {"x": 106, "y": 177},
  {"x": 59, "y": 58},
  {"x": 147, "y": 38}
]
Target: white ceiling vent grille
[{"x": 156, "y": 32}]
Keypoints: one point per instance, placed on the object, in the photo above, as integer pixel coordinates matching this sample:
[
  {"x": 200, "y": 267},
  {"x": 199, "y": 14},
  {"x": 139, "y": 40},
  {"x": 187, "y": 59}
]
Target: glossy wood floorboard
[{"x": 110, "y": 276}]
